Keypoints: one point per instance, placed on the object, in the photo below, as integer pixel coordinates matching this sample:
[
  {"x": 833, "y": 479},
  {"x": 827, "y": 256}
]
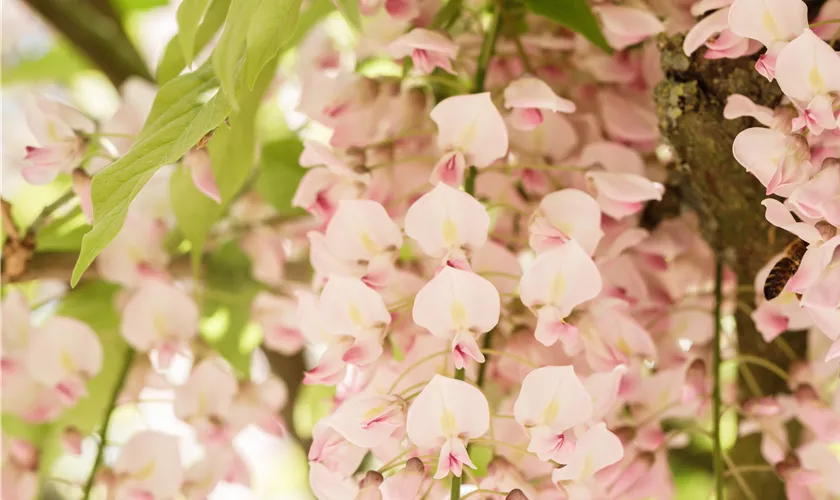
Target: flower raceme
[{"x": 482, "y": 280}]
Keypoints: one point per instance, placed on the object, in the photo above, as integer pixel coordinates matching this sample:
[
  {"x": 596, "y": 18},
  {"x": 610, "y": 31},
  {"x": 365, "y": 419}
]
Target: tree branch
[
  {"x": 95, "y": 29},
  {"x": 726, "y": 197}
]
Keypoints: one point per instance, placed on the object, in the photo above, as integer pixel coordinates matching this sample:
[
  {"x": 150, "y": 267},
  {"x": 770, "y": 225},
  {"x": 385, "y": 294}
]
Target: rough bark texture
[{"x": 707, "y": 179}]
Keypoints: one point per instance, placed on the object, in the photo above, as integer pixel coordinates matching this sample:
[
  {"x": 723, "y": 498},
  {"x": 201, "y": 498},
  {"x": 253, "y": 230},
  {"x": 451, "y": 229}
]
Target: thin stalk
[
  {"x": 526, "y": 61},
  {"x": 42, "y": 218},
  {"x": 716, "y": 395},
  {"x": 755, "y": 360},
  {"x": 488, "y": 47},
  {"x": 455, "y": 486},
  {"x": 112, "y": 404}
]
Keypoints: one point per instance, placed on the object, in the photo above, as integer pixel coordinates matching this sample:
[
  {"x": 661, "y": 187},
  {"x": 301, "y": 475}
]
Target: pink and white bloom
[
  {"x": 446, "y": 415},
  {"x": 448, "y": 224},
  {"x": 713, "y": 32},
  {"x": 568, "y": 214},
  {"x": 204, "y": 400},
  {"x": 626, "y": 26},
  {"x": 781, "y": 162},
  {"x": 471, "y": 132},
  {"x": 617, "y": 178},
  {"x": 149, "y": 467},
  {"x": 60, "y": 148},
  {"x": 265, "y": 248},
  {"x": 458, "y": 305},
  {"x": 558, "y": 281},
  {"x": 771, "y": 22},
  {"x": 551, "y": 402},
  {"x": 137, "y": 253},
  {"x": 320, "y": 189},
  {"x": 808, "y": 71},
  {"x": 64, "y": 354},
  {"x": 278, "y": 318},
  {"x": 596, "y": 449},
  {"x": 529, "y": 98},
  {"x": 16, "y": 333},
  {"x": 350, "y": 318},
  {"x": 428, "y": 50},
  {"x": 360, "y": 240},
  {"x": 404, "y": 484},
  {"x": 819, "y": 198},
  {"x": 162, "y": 318},
  {"x": 369, "y": 420},
  {"x": 259, "y": 402}
]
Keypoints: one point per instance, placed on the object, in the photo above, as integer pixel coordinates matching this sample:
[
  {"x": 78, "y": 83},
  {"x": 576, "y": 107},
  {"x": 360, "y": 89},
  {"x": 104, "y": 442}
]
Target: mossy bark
[{"x": 707, "y": 179}]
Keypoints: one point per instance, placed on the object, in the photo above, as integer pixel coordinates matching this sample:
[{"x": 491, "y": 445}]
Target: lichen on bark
[{"x": 727, "y": 199}]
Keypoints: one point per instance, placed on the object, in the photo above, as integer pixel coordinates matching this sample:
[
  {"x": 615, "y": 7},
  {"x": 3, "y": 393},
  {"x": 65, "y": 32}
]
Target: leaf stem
[
  {"x": 42, "y": 218},
  {"x": 716, "y": 393},
  {"x": 100, "y": 453}
]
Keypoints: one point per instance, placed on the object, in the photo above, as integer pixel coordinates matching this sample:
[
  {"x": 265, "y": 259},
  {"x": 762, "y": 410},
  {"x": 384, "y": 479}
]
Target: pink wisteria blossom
[{"x": 446, "y": 415}]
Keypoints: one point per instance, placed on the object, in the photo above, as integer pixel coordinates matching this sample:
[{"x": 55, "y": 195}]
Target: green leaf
[
  {"x": 63, "y": 234},
  {"x": 272, "y": 27},
  {"x": 166, "y": 136},
  {"x": 173, "y": 62},
  {"x": 280, "y": 174},
  {"x": 233, "y": 148},
  {"x": 189, "y": 16},
  {"x": 350, "y": 11},
  {"x": 61, "y": 63},
  {"x": 92, "y": 303},
  {"x": 481, "y": 456},
  {"x": 194, "y": 211},
  {"x": 573, "y": 14},
  {"x": 317, "y": 10},
  {"x": 128, "y": 6},
  {"x": 227, "y": 58},
  {"x": 226, "y": 306},
  {"x": 312, "y": 404}
]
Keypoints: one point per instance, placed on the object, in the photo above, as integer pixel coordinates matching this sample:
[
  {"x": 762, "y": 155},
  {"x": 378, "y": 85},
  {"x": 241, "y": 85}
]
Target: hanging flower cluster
[{"x": 482, "y": 276}]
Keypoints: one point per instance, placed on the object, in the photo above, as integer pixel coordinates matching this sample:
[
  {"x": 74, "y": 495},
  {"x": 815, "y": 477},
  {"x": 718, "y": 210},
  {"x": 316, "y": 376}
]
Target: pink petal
[
  {"x": 449, "y": 169},
  {"x": 779, "y": 216},
  {"x": 807, "y": 67},
  {"x": 595, "y": 450},
  {"x": 405, "y": 483},
  {"x": 626, "y": 120},
  {"x": 208, "y": 392},
  {"x": 349, "y": 307},
  {"x": 446, "y": 219},
  {"x": 626, "y": 26},
  {"x": 552, "y": 396},
  {"x": 563, "y": 277},
  {"x": 465, "y": 347},
  {"x": 471, "y": 124},
  {"x": 738, "y": 105},
  {"x": 64, "y": 351},
  {"x": 552, "y": 326},
  {"x": 424, "y": 39},
  {"x": 758, "y": 150},
  {"x": 447, "y": 408},
  {"x": 457, "y": 301},
  {"x": 529, "y": 92},
  {"x": 156, "y": 312},
  {"x": 768, "y": 21},
  {"x": 705, "y": 29},
  {"x": 563, "y": 215},
  {"x": 151, "y": 462},
  {"x": 265, "y": 249},
  {"x": 362, "y": 230},
  {"x": 201, "y": 169}
]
